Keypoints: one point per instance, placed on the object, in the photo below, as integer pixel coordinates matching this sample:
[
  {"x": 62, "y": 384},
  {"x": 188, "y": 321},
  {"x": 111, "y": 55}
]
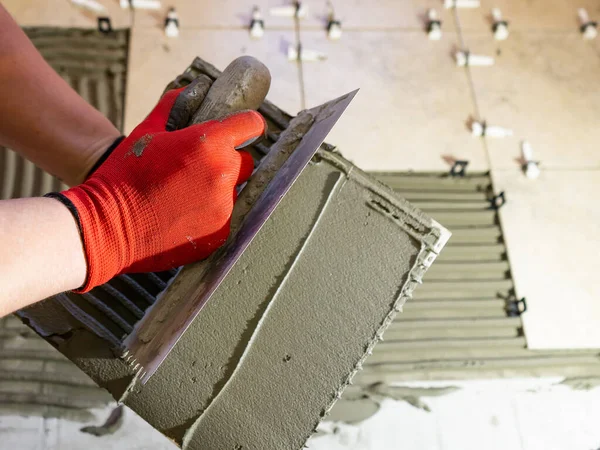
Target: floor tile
[
  {"x": 551, "y": 228},
  {"x": 544, "y": 88},
  {"x": 354, "y": 14},
  {"x": 215, "y": 15},
  {"x": 62, "y": 13},
  {"x": 377, "y": 14},
  {"x": 530, "y": 15},
  {"x": 154, "y": 60},
  {"x": 414, "y": 104}
]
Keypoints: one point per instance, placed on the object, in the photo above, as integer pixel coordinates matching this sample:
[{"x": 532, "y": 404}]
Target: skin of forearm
[
  {"x": 41, "y": 252},
  {"x": 41, "y": 117}
]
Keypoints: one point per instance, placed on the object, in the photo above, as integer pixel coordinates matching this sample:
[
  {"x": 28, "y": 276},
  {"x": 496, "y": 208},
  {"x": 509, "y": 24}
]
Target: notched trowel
[{"x": 163, "y": 325}]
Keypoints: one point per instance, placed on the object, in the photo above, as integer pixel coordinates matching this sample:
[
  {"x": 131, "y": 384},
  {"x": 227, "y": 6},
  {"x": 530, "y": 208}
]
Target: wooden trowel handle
[{"x": 242, "y": 85}]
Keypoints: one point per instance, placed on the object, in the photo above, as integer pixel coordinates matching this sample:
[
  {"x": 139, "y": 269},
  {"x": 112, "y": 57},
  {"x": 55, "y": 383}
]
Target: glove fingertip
[
  {"x": 246, "y": 166},
  {"x": 244, "y": 127},
  {"x": 158, "y": 117}
]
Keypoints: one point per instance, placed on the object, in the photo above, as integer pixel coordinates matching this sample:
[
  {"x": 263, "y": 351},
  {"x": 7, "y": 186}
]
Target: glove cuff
[
  {"x": 105, "y": 155},
  {"x": 94, "y": 225},
  {"x": 107, "y": 233}
]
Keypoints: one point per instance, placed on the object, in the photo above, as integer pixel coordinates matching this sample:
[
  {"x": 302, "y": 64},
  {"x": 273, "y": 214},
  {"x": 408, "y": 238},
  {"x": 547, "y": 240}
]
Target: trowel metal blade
[{"x": 160, "y": 334}]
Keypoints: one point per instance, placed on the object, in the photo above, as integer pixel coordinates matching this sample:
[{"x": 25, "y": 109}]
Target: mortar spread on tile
[
  {"x": 282, "y": 251},
  {"x": 312, "y": 319},
  {"x": 263, "y": 317}
]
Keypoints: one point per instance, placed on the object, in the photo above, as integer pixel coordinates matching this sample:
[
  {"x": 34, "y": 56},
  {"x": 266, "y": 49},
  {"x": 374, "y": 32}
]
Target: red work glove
[{"x": 162, "y": 198}]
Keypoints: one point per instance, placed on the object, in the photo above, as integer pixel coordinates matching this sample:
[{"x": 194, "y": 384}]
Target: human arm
[
  {"x": 41, "y": 252},
  {"x": 162, "y": 198},
  {"x": 41, "y": 117}
]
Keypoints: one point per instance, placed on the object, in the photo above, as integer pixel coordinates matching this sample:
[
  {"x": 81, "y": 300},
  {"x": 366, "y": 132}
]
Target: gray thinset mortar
[
  {"x": 322, "y": 301},
  {"x": 34, "y": 378}
]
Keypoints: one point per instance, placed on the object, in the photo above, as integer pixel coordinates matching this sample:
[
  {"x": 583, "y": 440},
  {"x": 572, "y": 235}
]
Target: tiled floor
[
  {"x": 543, "y": 87},
  {"x": 399, "y": 119},
  {"x": 358, "y": 15},
  {"x": 405, "y": 126},
  {"x": 224, "y": 14},
  {"x": 552, "y": 16}
]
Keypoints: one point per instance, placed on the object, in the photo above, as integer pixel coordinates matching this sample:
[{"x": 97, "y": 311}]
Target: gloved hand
[{"x": 162, "y": 198}]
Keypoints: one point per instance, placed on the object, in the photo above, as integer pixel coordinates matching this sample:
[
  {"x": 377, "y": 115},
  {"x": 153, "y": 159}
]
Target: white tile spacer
[
  {"x": 297, "y": 9},
  {"x": 300, "y": 54},
  {"x": 500, "y": 26},
  {"x": 91, "y": 5},
  {"x": 172, "y": 23},
  {"x": 334, "y": 26},
  {"x": 257, "y": 25},
  {"x": 434, "y": 25},
  {"x": 530, "y": 167},
  {"x": 588, "y": 28},
  {"x": 481, "y": 129},
  {"x": 144, "y": 4},
  {"x": 465, "y": 58},
  {"x": 461, "y": 4}
]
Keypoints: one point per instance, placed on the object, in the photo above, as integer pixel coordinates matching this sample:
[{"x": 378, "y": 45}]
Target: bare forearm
[
  {"x": 42, "y": 253},
  {"x": 41, "y": 117}
]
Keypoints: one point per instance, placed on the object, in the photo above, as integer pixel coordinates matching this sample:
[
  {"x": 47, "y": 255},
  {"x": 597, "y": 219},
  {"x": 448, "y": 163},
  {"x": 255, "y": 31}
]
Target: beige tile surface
[
  {"x": 529, "y": 15},
  {"x": 215, "y": 14},
  {"x": 154, "y": 60},
  {"x": 62, "y": 13},
  {"x": 413, "y": 105},
  {"x": 354, "y": 14},
  {"x": 552, "y": 228},
  {"x": 545, "y": 88},
  {"x": 377, "y": 14}
]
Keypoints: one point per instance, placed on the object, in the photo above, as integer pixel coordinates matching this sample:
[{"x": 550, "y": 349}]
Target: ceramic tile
[
  {"x": 154, "y": 60},
  {"x": 551, "y": 228},
  {"x": 62, "y": 13},
  {"x": 544, "y": 88},
  {"x": 215, "y": 15},
  {"x": 413, "y": 107},
  {"x": 530, "y": 15},
  {"x": 354, "y": 14},
  {"x": 377, "y": 14}
]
